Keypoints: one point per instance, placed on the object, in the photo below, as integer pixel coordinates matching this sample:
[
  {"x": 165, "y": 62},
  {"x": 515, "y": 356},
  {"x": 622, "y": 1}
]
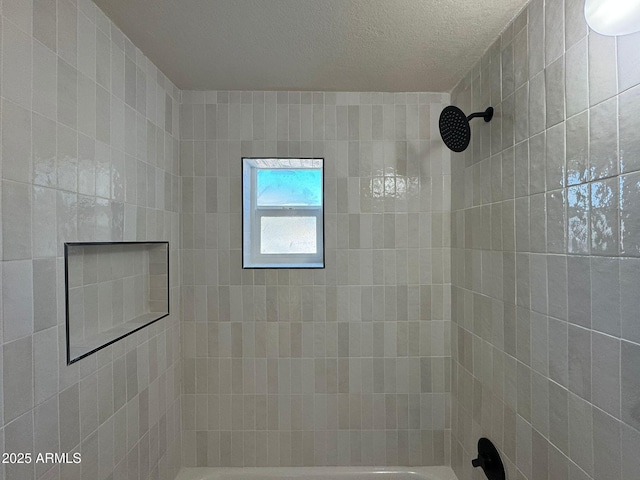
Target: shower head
[{"x": 454, "y": 126}]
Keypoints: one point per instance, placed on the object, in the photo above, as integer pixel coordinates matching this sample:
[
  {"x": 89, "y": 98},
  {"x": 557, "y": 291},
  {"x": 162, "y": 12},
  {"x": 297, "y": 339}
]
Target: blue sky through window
[{"x": 289, "y": 187}]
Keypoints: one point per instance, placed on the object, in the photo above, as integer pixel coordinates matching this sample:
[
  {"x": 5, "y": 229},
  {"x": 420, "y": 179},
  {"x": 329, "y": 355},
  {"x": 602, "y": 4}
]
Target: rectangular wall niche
[{"x": 113, "y": 290}]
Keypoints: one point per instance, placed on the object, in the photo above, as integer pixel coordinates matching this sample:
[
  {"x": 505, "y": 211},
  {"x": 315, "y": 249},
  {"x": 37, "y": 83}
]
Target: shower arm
[{"x": 487, "y": 115}]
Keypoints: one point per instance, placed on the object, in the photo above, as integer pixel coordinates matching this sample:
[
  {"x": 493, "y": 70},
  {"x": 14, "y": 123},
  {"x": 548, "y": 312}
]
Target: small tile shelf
[{"x": 112, "y": 290}]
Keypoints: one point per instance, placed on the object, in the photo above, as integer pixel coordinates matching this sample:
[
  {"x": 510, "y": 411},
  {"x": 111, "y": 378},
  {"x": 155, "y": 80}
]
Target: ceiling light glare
[{"x": 613, "y": 17}]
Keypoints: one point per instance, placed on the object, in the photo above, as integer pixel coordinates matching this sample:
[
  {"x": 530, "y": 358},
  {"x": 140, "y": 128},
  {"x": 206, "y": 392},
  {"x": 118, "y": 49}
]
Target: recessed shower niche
[{"x": 112, "y": 290}]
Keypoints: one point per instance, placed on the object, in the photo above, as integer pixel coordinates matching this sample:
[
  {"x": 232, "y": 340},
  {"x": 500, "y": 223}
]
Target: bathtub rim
[{"x": 211, "y": 473}]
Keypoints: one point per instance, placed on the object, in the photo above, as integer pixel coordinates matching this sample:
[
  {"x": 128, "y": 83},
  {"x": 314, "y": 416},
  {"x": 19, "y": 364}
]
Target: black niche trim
[{"x": 66, "y": 294}]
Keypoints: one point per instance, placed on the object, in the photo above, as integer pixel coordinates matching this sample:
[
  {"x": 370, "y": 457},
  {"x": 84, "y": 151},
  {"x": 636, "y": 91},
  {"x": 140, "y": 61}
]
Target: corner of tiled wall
[
  {"x": 89, "y": 152},
  {"x": 545, "y": 229},
  {"x": 540, "y": 214}
]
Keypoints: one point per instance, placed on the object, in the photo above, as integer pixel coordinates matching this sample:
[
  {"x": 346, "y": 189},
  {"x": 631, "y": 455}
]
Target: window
[{"x": 282, "y": 213}]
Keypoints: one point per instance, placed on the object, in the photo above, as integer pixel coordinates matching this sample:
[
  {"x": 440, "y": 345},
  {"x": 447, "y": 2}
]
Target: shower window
[{"x": 282, "y": 213}]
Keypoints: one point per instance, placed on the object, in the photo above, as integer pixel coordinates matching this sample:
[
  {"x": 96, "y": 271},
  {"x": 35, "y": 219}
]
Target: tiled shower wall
[
  {"x": 545, "y": 252},
  {"x": 346, "y": 365},
  {"x": 89, "y": 152}
]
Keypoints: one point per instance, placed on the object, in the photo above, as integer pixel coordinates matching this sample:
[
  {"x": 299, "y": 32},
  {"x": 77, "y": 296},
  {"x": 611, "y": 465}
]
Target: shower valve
[
  {"x": 482, "y": 461},
  {"x": 489, "y": 460}
]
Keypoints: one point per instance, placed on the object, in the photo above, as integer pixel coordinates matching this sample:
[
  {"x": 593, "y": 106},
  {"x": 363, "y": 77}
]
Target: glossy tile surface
[
  {"x": 556, "y": 383},
  {"x": 347, "y": 365},
  {"x": 64, "y": 179}
]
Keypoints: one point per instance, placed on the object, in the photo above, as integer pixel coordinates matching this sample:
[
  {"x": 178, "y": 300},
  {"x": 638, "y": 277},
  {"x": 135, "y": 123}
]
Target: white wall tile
[
  {"x": 19, "y": 438},
  {"x": 295, "y": 304},
  {"x": 17, "y": 378},
  {"x": 16, "y": 142},
  {"x": 65, "y": 131},
  {"x": 576, "y": 384},
  {"x": 602, "y": 68},
  {"x": 44, "y": 79},
  {"x": 17, "y": 54}
]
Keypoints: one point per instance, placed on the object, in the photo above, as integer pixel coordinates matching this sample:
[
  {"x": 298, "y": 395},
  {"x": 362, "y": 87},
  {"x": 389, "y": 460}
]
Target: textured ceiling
[{"x": 331, "y": 45}]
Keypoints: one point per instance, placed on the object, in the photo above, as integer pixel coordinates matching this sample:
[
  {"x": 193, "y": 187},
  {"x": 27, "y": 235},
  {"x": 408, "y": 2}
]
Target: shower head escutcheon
[{"x": 454, "y": 126}]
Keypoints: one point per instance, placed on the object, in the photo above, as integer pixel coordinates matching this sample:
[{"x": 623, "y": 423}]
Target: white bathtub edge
[{"x": 214, "y": 473}]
